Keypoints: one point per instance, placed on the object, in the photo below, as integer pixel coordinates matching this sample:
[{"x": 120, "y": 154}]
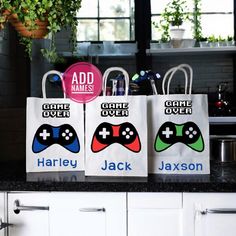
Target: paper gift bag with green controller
[{"x": 178, "y": 130}]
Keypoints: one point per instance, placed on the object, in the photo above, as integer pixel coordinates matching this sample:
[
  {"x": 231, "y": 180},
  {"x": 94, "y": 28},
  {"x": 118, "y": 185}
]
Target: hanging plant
[{"x": 39, "y": 18}]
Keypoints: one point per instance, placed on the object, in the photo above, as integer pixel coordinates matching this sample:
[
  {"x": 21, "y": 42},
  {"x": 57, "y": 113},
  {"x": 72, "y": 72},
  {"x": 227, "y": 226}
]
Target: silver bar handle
[
  {"x": 219, "y": 211},
  {"x": 17, "y": 207},
  {"x": 4, "y": 225},
  {"x": 92, "y": 209}
]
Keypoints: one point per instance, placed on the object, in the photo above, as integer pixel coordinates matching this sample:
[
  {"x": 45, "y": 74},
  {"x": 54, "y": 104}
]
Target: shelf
[
  {"x": 222, "y": 120},
  {"x": 194, "y": 50}
]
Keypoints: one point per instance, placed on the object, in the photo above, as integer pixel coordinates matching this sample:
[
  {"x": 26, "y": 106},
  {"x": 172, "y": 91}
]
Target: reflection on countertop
[{"x": 14, "y": 178}]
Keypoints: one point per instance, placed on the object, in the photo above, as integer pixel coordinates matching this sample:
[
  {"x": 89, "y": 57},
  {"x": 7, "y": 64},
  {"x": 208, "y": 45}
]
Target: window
[
  {"x": 101, "y": 20},
  {"x": 217, "y": 18}
]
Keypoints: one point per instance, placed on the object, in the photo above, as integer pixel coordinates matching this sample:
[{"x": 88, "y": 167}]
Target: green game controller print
[{"x": 187, "y": 133}]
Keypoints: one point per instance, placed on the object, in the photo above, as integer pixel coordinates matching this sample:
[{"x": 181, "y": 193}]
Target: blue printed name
[
  {"x": 181, "y": 166},
  {"x": 120, "y": 166},
  {"x": 56, "y": 162}
]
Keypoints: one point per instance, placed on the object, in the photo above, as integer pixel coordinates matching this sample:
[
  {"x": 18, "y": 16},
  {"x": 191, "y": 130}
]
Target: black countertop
[{"x": 14, "y": 178}]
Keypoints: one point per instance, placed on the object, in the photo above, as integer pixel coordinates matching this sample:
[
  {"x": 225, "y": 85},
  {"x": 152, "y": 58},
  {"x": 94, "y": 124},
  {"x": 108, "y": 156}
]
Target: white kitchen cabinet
[
  {"x": 209, "y": 214},
  {"x": 88, "y": 214},
  {"x": 29, "y": 214},
  {"x": 3, "y": 219},
  {"x": 153, "y": 214}
]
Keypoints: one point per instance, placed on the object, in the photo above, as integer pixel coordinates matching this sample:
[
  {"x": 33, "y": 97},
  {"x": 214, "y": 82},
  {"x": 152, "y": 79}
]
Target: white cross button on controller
[
  {"x": 167, "y": 132},
  {"x": 104, "y": 133},
  {"x": 44, "y": 134}
]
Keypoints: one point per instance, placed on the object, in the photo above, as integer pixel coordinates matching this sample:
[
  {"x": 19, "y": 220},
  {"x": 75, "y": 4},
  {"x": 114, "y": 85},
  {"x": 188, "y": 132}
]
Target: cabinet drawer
[{"x": 154, "y": 200}]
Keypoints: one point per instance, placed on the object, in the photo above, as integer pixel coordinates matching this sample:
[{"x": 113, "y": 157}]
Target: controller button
[
  {"x": 190, "y": 128},
  {"x": 167, "y": 132},
  {"x": 127, "y": 136},
  {"x": 190, "y": 136},
  {"x": 131, "y": 133},
  {"x": 127, "y": 129},
  {"x": 44, "y": 134},
  {"x": 187, "y": 132},
  {"x": 123, "y": 133},
  {"x": 194, "y": 132},
  {"x": 104, "y": 133},
  {"x": 67, "y": 138},
  {"x": 70, "y": 134},
  {"x": 67, "y": 131},
  {"x": 63, "y": 134}
]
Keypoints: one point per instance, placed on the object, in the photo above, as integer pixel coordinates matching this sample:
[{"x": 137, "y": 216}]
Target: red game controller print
[{"x": 124, "y": 134}]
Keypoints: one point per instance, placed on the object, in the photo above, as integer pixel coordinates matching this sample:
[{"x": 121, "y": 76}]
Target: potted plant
[
  {"x": 163, "y": 27},
  {"x": 175, "y": 13},
  {"x": 45, "y": 16},
  {"x": 230, "y": 41},
  {"x": 213, "y": 41}
]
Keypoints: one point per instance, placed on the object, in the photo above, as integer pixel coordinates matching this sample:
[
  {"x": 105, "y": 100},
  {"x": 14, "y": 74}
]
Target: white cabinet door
[
  {"x": 209, "y": 214},
  {"x": 2, "y": 213},
  {"x": 33, "y": 217},
  {"x": 88, "y": 214},
  {"x": 153, "y": 214}
]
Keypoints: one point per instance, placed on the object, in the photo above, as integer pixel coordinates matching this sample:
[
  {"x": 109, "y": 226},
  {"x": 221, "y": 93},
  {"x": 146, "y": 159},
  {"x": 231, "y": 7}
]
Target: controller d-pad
[
  {"x": 45, "y": 134},
  {"x": 104, "y": 133},
  {"x": 167, "y": 132}
]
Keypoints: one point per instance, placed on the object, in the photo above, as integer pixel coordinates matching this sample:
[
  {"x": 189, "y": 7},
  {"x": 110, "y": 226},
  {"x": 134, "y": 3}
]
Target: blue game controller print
[{"x": 47, "y": 135}]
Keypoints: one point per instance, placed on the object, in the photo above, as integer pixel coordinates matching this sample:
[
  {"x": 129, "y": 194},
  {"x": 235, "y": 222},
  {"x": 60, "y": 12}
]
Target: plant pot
[
  {"x": 4, "y": 14},
  {"x": 177, "y": 33},
  {"x": 38, "y": 33}
]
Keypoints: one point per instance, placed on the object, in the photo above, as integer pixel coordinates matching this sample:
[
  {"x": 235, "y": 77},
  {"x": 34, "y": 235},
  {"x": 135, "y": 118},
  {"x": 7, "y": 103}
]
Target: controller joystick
[
  {"x": 124, "y": 134},
  {"x": 47, "y": 135},
  {"x": 187, "y": 133}
]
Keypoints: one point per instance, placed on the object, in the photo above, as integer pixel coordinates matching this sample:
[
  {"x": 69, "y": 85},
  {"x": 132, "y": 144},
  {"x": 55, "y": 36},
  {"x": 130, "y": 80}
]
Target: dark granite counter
[{"x": 14, "y": 178}]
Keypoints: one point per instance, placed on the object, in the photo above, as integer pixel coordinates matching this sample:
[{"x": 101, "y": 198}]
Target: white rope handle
[
  {"x": 106, "y": 74},
  {"x": 172, "y": 71},
  {"x": 54, "y": 72}
]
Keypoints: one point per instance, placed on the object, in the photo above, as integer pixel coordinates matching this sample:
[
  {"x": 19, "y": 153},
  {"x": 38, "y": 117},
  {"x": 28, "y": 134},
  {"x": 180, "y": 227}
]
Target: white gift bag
[
  {"x": 54, "y": 133},
  {"x": 178, "y": 129},
  {"x": 116, "y": 133}
]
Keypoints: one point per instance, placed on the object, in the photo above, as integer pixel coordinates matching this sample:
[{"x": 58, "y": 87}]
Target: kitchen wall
[
  {"x": 20, "y": 78},
  {"x": 14, "y": 80}
]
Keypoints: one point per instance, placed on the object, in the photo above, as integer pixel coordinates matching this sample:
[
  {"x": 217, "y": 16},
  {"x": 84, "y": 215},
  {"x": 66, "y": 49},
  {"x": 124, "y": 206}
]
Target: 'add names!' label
[{"x": 83, "y": 82}]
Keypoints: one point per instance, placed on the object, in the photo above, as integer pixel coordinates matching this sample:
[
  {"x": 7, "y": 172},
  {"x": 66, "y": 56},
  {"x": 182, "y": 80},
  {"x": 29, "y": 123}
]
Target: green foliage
[
  {"x": 213, "y": 39},
  {"x": 58, "y": 13},
  {"x": 197, "y": 33},
  {"x": 175, "y": 13}
]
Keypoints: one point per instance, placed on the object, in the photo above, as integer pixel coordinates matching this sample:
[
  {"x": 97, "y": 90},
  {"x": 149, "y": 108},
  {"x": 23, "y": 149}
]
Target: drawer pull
[
  {"x": 17, "y": 207},
  {"x": 92, "y": 209},
  {"x": 219, "y": 211},
  {"x": 4, "y": 225}
]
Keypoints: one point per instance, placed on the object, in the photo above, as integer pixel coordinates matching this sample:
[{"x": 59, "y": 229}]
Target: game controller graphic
[
  {"x": 124, "y": 134},
  {"x": 187, "y": 133},
  {"x": 47, "y": 135}
]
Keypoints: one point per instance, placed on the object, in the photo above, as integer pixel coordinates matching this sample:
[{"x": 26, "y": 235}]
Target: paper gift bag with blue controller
[
  {"x": 178, "y": 129},
  {"x": 116, "y": 133},
  {"x": 55, "y": 133}
]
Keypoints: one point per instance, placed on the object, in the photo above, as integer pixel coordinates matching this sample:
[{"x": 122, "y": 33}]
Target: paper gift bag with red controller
[{"x": 116, "y": 133}]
